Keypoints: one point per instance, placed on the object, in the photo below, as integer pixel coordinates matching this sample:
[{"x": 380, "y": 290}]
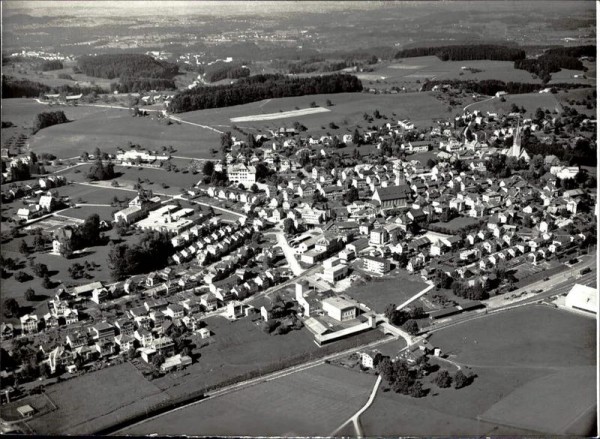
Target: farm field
[
  {"x": 532, "y": 350},
  {"x": 109, "y": 131},
  {"x": 308, "y": 403},
  {"x": 378, "y": 294},
  {"x": 87, "y": 403}
]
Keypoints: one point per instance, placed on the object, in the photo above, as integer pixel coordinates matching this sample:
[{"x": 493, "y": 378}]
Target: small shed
[{"x": 26, "y": 411}]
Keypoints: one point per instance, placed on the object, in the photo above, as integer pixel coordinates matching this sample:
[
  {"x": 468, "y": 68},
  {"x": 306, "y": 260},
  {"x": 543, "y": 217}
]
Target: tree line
[
  {"x": 465, "y": 52},
  {"x": 24, "y": 88},
  {"x": 47, "y": 119},
  {"x": 259, "y": 87},
  {"x": 111, "y": 66},
  {"x": 492, "y": 86},
  {"x": 134, "y": 85}
]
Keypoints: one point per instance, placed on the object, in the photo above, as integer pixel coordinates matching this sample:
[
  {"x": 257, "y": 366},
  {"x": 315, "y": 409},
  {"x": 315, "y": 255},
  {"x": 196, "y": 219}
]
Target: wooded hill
[{"x": 259, "y": 87}]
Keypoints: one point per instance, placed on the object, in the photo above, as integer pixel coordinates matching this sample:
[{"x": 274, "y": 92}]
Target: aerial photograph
[{"x": 299, "y": 218}]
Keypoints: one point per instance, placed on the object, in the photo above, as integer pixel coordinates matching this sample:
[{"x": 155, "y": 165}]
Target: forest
[
  {"x": 543, "y": 66},
  {"x": 466, "y": 52},
  {"x": 51, "y": 65},
  {"x": 220, "y": 70},
  {"x": 21, "y": 88},
  {"x": 24, "y": 88},
  {"x": 259, "y": 87},
  {"x": 111, "y": 66},
  {"x": 574, "y": 51}
]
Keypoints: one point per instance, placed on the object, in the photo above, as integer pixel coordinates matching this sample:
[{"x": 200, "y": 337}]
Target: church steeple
[{"x": 516, "y": 147}]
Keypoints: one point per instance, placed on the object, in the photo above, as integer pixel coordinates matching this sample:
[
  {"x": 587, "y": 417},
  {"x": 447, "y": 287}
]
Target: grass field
[
  {"x": 378, "y": 294},
  {"x": 577, "y": 397},
  {"x": 93, "y": 401},
  {"x": 313, "y": 402},
  {"x": 421, "y": 108},
  {"x": 21, "y": 112},
  {"x": 531, "y": 102},
  {"x": 519, "y": 351},
  {"x": 236, "y": 348}
]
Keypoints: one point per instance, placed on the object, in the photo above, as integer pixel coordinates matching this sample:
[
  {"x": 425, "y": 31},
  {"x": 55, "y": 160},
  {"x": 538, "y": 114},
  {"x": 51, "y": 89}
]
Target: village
[{"x": 479, "y": 218}]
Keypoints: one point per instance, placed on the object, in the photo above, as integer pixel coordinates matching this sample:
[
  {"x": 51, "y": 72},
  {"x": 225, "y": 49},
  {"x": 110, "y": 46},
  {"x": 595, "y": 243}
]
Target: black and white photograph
[{"x": 299, "y": 219}]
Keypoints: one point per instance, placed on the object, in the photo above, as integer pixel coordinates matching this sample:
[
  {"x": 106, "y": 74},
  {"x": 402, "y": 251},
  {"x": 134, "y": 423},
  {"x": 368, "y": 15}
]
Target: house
[
  {"x": 102, "y": 331},
  {"x": 29, "y": 323},
  {"x": 175, "y": 362}
]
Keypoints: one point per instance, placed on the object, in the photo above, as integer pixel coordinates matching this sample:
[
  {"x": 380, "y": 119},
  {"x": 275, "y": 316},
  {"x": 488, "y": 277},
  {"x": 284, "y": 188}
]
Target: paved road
[
  {"x": 287, "y": 251},
  {"x": 478, "y": 102}
]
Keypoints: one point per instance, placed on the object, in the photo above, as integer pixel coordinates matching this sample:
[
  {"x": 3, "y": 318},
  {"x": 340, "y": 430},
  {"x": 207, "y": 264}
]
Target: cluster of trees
[
  {"x": 543, "y": 66},
  {"x": 111, "y": 66},
  {"x": 466, "y": 52},
  {"x": 259, "y": 87},
  {"x": 475, "y": 292},
  {"x": 99, "y": 171},
  {"x": 54, "y": 64},
  {"x": 47, "y": 119},
  {"x": 402, "y": 379},
  {"x": 151, "y": 253},
  {"x": 222, "y": 70},
  {"x": 444, "y": 380},
  {"x": 404, "y": 319}
]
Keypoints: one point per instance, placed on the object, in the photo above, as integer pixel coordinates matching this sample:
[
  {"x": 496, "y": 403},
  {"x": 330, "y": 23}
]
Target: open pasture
[
  {"x": 410, "y": 72},
  {"x": 21, "y": 112},
  {"x": 346, "y": 112},
  {"x": 577, "y": 398},
  {"x": 94, "y": 401},
  {"x": 523, "y": 358},
  {"x": 379, "y": 293},
  {"x": 313, "y": 402},
  {"x": 109, "y": 131},
  {"x": 528, "y": 336},
  {"x": 531, "y": 102}
]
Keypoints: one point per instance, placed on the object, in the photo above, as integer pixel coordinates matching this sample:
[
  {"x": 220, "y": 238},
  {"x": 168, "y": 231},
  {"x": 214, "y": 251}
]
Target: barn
[{"x": 583, "y": 298}]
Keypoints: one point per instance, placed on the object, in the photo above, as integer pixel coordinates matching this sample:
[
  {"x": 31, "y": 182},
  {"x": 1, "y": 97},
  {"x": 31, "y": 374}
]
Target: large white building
[
  {"x": 240, "y": 173},
  {"x": 583, "y": 298},
  {"x": 339, "y": 309},
  {"x": 334, "y": 270}
]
